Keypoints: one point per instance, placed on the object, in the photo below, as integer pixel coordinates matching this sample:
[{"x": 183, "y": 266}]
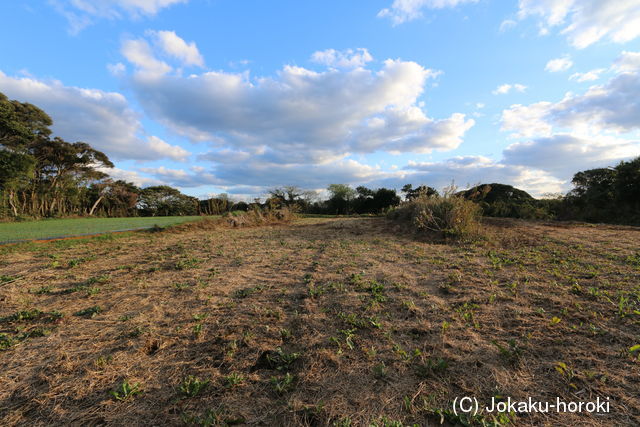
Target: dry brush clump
[
  {"x": 449, "y": 215},
  {"x": 252, "y": 218},
  {"x": 256, "y": 217}
]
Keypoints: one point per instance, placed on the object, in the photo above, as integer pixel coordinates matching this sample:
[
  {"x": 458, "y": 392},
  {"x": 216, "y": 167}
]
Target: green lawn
[{"x": 51, "y": 228}]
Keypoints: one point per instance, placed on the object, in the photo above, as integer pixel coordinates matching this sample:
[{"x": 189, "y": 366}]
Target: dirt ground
[{"x": 348, "y": 321}]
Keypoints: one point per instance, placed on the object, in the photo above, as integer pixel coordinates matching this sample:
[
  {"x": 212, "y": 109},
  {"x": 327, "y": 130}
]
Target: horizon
[{"x": 218, "y": 97}]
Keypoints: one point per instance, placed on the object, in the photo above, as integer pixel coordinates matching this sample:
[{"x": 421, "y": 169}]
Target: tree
[
  {"x": 411, "y": 193},
  {"x": 163, "y": 200},
  {"x": 20, "y": 123},
  {"x": 340, "y": 200},
  {"x": 16, "y": 170},
  {"x": 384, "y": 198},
  {"x": 606, "y": 194}
]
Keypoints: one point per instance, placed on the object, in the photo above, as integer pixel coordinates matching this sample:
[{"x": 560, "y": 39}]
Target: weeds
[
  {"x": 283, "y": 384},
  {"x": 192, "y": 386},
  {"x": 126, "y": 391},
  {"x": 512, "y": 352},
  {"x": 90, "y": 312},
  {"x": 233, "y": 380}
]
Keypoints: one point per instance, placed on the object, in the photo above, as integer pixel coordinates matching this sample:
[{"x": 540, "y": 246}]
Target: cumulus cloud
[
  {"x": 592, "y": 129},
  {"x": 559, "y": 64},
  {"x": 82, "y": 13},
  {"x": 144, "y": 53},
  {"x": 301, "y": 116},
  {"x": 117, "y": 69},
  {"x": 585, "y": 22},
  {"x": 610, "y": 107},
  {"x": 589, "y": 76},
  {"x": 562, "y": 155},
  {"x": 467, "y": 171},
  {"x": 298, "y": 126},
  {"x": 131, "y": 176},
  {"x": 342, "y": 59},
  {"x": 176, "y": 47},
  {"x": 627, "y": 61},
  {"x": 407, "y": 10},
  {"x": 507, "y": 24},
  {"x": 140, "y": 54},
  {"x": 102, "y": 119},
  {"x": 507, "y": 87}
]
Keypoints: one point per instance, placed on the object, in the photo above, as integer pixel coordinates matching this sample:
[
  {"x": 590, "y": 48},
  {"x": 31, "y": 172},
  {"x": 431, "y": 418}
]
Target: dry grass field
[{"x": 348, "y": 321}]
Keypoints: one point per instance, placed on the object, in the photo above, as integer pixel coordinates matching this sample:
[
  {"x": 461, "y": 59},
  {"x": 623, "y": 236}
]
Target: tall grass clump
[
  {"x": 259, "y": 216},
  {"x": 450, "y": 215}
]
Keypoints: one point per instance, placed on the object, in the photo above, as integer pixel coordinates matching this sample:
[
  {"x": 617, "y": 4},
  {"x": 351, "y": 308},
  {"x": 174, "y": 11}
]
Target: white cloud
[
  {"x": 627, "y": 61},
  {"x": 176, "y": 47},
  {"x": 507, "y": 24},
  {"x": 559, "y": 64},
  {"x": 117, "y": 69},
  {"x": 130, "y": 176},
  {"x": 157, "y": 145},
  {"x": 610, "y": 107},
  {"x": 407, "y": 10},
  {"x": 585, "y": 22},
  {"x": 467, "y": 171},
  {"x": 302, "y": 115},
  {"x": 506, "y": 88},
  {"x": 589, "y": 76},
  {"x": 139, "y": 53},
  {"x": 597, "y": 128},
  {"x": 82, "y": 13},
  {"x": 562, "y": 155},
  {"x": 342, "y": 59},
  {"x": 102, "y": 119}
]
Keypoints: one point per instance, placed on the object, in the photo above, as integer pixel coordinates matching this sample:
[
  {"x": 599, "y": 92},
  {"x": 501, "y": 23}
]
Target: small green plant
[
  {"x": 42, "y": 290},
  {"x": 467, "y": 312},
  {"x": 25, "y": 315},
  {"x": 432, "y": 366},
  {"x": 90, "y": 312},
  {"x": 445, "y": 325},
  {"x": 103, "y": 278},
  {"x": 233, "y": 379},
  {"x": 377, "y": 291},
  {"x": 283, "y": 384},
  {"x": 181, "y": 286},
  {"x": 512, "y": 352},
  {"x": 93, "y": 291},
  {"x": 6, "y": 341},
  {"x": 192, "y": 386},
  {"x": 187, "y": 263},
  {"x": 567, "y": 373},
  {"x": 6, "y": 279},
  {"x": 285, "y": 334},
  {"x": 197, "y": 330},
  {"x": 282, "y": 360},
  {"x": 635, "y": 350},
  {"x": 348, "y": 337},
  {"x": 380, "y": 370},
  {"x": 126, "y": 391},
  {"x": 103, "y": 361}
]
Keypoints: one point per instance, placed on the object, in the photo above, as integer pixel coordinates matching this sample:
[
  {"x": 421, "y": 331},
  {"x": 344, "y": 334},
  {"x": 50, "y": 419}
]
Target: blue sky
[{"x": 239, "y": 96}]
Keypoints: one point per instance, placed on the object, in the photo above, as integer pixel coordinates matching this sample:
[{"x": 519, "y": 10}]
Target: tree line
[{"x": 45, "y": 176}]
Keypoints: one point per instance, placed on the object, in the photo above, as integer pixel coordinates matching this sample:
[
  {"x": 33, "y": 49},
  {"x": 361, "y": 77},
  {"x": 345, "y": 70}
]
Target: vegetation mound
[
  {"x": 501, "y": 200},
  {"x": 450, "y": 215}
]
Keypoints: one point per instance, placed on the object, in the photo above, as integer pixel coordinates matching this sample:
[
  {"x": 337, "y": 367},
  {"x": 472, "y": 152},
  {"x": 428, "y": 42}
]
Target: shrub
[
  {"x": 255, "y": 217},
  {"x": 449, "y": 214}
]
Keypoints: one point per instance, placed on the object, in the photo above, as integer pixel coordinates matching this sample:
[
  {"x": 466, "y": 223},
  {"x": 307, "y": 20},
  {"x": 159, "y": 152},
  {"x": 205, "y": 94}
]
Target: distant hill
[{"x": 504, "y": 201}]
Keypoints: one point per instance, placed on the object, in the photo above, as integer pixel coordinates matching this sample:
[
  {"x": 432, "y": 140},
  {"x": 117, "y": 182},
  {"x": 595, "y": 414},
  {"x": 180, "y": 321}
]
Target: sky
[{"x": 242, "y": 96}]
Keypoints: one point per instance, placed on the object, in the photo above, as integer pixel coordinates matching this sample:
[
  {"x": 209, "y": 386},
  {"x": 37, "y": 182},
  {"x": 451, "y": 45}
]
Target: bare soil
[{"x": 349, "y": 321}]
